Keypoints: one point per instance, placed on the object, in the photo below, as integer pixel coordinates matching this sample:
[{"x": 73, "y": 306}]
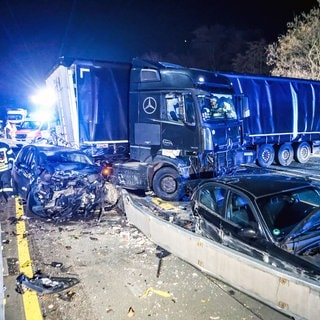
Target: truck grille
[{"x": 224, "y": 136}]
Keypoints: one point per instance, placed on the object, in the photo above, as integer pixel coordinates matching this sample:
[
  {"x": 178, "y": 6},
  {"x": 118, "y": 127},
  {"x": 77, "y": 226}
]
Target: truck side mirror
[{"x": 243, "y": 106}]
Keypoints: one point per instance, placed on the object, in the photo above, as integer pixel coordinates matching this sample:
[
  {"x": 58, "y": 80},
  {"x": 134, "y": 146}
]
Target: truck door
[{"x": 179, "y": 130}]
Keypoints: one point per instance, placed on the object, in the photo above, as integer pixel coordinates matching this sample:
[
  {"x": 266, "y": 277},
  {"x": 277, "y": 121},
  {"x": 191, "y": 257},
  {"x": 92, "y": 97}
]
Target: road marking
[{"x": 31, "y": 304}]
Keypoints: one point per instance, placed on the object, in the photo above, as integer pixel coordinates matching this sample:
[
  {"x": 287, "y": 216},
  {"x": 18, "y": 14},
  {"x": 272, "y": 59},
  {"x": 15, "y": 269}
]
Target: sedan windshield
[
  {"x": 62, "y": 157},
  {"x": 283, "y": 212}
]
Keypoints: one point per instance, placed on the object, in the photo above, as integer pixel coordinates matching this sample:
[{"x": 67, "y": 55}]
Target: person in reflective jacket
[{"x": 6, "y": 161}]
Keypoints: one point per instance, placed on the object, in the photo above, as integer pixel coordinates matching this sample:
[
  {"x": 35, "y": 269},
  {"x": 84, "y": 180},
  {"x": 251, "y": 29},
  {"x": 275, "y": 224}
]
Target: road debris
[
  {"x": 161, "y": 293},
  {"x": 44, "y": 284},
  {"x": 131, "y": 312},
  {"x": 54, "y": 264},
  {"x": 68, "y": 296}
]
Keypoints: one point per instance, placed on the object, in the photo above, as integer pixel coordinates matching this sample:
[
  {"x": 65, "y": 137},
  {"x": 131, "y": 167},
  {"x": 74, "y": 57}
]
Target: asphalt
[{"x": 13, "y": 302}]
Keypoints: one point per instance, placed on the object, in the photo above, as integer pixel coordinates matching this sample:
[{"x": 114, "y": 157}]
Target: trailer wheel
[
  {"x": 265, "y": 155},
  {"x": 284, "y": 154},
  {"x": 302, "y": 152},
  {"x": 167, "y": 184}
]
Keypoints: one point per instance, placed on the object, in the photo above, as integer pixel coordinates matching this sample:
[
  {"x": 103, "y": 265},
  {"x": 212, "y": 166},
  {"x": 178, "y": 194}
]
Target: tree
[
  {"x": 219, "y": 48},
  {"x": 253, "y": 60},
  {"x": 214, "y": 46},
  {"x": 297, "y": 53}
]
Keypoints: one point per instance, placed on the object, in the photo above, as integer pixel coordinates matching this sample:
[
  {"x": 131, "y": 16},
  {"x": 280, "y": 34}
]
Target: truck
[
  {"x": 146, "y": 119},
  {"x": 16, "y": 116},
  {"x": 33, "y": 130},
  {"x": 284, "y": 122}
]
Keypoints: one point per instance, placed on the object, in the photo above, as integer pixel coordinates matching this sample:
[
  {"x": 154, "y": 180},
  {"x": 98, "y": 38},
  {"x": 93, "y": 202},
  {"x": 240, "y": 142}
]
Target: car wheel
[
  {"x": 302, "y": 152},
  {"x": 265, "y": 155},
  {"x": 167, "y": 184},
  {"x": 284, "y": 154},
  {"x": 33, "y": 206}
]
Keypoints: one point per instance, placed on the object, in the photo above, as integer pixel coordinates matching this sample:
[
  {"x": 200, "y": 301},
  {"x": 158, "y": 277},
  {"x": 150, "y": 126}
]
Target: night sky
[{"x": 35, "y": 33}]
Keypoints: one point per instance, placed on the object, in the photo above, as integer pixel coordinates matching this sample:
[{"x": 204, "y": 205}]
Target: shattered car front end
[
  {"x": 65, "y": 193},
  {"x": 60, "y": 182}
]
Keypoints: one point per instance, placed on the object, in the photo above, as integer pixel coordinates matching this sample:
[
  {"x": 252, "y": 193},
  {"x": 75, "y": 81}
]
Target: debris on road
[
  {"x": 161, "y": 293},
  {"x": 44, "y": 284}
]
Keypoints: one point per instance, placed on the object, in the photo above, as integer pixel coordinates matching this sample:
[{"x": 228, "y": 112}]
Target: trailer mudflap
[{"x": 295, "y": 295}]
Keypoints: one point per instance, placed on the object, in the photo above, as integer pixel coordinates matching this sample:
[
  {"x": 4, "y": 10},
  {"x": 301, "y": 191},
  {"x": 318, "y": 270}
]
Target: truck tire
[
  {"x": 302, "y": 152},
  {"x": 284, "y": 154},
  {"x": 265, "y": 155},
  {"x": 167, "y": 185}
]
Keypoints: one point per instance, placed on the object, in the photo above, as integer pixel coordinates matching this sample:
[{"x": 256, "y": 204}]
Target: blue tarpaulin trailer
[{"x": 284, "y": 122}]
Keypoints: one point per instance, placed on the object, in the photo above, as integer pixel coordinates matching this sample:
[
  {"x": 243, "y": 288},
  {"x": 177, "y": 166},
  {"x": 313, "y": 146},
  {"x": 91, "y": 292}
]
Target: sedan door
[
  {"x": 24, "y": 170},
  {"x": 209, "y": 211},
  {"x": 240, "y": 230}
]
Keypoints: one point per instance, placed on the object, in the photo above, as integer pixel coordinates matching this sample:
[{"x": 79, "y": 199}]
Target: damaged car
[
  {"x": 58, "y": 182},
  {"x": 271, "y": 217}
]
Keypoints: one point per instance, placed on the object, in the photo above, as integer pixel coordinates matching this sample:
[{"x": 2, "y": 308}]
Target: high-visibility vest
[
  {"x": 6, "y": 189},
  {"x": 6, "y": 157}
]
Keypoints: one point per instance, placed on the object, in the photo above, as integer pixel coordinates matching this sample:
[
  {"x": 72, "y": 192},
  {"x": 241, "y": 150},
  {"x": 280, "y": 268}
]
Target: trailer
[
  {"x": 169, "y": 225},
  {"x": 284, "y": 122}
]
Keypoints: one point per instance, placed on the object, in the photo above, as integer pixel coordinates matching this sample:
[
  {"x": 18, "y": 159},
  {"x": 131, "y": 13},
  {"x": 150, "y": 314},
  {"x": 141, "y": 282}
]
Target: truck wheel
[
  {"x": 284, "y": 154},
  {"x": 265, "y": 155},
  {"x": 302, "y": 152},
  {"x": 167, "y": 184}
]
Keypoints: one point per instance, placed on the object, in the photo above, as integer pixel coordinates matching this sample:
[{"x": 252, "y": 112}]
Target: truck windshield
[
  {"x": 216, "y": 107},
  {"x": 14, "y": 116},
  {"x": 33, "y": 125}
]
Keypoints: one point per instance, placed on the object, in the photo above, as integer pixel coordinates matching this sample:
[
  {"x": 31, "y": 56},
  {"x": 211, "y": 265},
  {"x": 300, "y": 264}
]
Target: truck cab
[{"x": 174, "y": 125}]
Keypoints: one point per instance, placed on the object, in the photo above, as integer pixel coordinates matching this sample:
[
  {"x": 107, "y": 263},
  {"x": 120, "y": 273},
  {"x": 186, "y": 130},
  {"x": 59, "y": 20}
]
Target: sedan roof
[
  {"x": 50, "y": 147},
  {"x": 263, "y": 184}
]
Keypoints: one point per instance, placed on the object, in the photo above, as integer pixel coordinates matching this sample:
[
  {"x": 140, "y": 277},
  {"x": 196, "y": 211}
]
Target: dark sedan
[
  {"x": 56, "y": 181},
  {"x": 274, "y": 218}
]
